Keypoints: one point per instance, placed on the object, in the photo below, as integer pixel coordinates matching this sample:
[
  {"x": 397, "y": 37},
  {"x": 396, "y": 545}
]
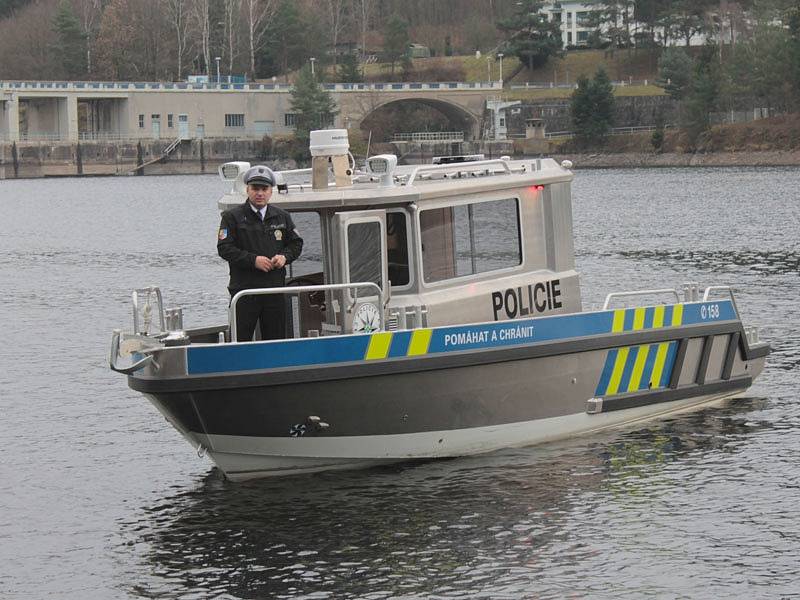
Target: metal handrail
[
  {"x": 457, "y": 167},
  {"x": 640, "y": 293},
  {"x": 114, "y": 354},
  {"x": 299, "y": 289},
  {"x": 721, "y": 288}
]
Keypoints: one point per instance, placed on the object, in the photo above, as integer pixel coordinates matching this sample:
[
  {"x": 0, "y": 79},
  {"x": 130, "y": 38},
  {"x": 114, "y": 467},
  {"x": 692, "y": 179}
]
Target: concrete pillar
[
  {"x": 11, "y": 118},
  {"x": 72, "y": 118}
]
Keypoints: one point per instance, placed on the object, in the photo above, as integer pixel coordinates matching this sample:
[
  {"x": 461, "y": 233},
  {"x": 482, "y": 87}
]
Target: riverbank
[
  {"x": 204, "y": 156},
  {"x": 786, "y": 158},
  {"x": 30, "y": 160}
]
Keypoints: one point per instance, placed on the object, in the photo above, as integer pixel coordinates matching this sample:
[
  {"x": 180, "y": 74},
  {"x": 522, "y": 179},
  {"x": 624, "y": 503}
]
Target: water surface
[{"x": 101, "y": 498}]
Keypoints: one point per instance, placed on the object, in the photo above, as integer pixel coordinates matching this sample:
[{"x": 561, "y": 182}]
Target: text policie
[{"x": 538, "y": 298}]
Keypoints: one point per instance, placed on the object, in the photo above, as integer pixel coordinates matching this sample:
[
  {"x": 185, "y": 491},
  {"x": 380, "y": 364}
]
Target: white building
[{"x": 575, "y": 17}]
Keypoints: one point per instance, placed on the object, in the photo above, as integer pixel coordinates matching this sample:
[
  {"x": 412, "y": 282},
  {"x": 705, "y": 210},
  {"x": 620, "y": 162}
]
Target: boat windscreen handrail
[
  {"x": 613, "y": 295},
  {"x": 456, "y": 167},
  {"x": 721, "y": 288},
  {"x": 299, "y": 289}
]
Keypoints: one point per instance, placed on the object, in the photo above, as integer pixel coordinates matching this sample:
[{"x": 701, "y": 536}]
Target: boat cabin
[{"x": 425, "y": 245}]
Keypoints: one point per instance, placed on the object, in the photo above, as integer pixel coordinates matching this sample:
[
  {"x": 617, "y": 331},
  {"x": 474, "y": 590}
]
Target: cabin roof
[{"x": 414, "y": 183}]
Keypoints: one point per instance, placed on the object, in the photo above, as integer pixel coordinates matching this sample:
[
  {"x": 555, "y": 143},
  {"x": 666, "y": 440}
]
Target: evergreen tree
[
  {"x": 674, "y": 72},
  {"x": 531, "y": 37},
  {"x": 592, "y": 108},
  {"x": 703, "y": 94},
  {"x": 581, "y": 106},
  {"x": 313, "y": 105},
  {"x": 7, "y": 7},
  {"x": 793, "y": 21},
  {"x": 395, "y": 41},
  {"x": 612, "y": 20},
  {"x": 285, "y": 43},
  {"x": 348, "y": 69},
  {"x": 70, "y": 45}
]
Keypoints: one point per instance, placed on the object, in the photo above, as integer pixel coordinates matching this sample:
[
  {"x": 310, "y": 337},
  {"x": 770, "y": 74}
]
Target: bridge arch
[{"x": 459, "y": 117}]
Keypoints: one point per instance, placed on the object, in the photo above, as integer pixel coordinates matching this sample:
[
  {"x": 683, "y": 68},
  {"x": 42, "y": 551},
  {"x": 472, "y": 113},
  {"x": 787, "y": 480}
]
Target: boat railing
[
  {"x": 300, "y": 289},
  {"x": 691, "y": 293},
  {"x": 465, "y": 167},
  {"x": 721, "y": 288},
  {"x": 659, "y": 292}
]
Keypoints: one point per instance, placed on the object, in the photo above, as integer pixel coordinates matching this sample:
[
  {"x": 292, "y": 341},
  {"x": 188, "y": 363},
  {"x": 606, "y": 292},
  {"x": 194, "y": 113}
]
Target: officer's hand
[
  {"x": 263, "y": 263},
  {"x": 278, "y": 261}
]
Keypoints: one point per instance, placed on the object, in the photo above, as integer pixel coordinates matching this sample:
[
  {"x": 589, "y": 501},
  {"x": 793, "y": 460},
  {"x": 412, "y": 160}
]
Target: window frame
[
  {"x": 462, "y": 279},
  {"x": 231, "y": 120},
  {"x": 409, "y": 247}
]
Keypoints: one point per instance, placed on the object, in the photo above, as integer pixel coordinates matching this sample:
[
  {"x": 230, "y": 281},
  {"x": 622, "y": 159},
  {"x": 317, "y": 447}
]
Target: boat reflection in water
[
  {"x": 438, "y": 527},
  {"x": 447, "y": 321}
]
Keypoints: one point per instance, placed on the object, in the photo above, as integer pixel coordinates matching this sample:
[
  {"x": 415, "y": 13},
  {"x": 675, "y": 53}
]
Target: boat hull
[
  {"x": 244, "y": 457},
  {"x": 351, "y": 414}
]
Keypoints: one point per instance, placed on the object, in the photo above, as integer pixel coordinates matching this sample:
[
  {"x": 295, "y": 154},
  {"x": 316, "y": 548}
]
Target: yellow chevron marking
[
  {"x": 677, "y": 314},
  {"x": 616, "y": 374},
  {"x": 379, "y": 345},
  {"x": 638, "y": 367},
  {"x": 638, "y": 319},
  {"x": 658, "y": 317},
  {"x": 420, "y": 341},
  {"x": 658, "y": 367},
  {"x": 619, "y": 320}
]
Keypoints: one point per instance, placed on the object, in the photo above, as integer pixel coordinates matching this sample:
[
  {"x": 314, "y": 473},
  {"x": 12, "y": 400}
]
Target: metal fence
[
  {"x": 548, "y": 85},
  {"x": 613, "y": 131},
  {"x": 429, "y": 136}
]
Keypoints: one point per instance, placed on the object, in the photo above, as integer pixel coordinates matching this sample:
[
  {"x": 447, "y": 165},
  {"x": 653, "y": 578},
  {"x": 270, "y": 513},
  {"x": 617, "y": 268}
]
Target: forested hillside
[{"x": 170, "y": 39}]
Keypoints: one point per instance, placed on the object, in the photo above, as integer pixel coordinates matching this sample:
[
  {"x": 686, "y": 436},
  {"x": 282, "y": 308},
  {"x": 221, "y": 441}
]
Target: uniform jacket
[{"x": 242, "y": 237}]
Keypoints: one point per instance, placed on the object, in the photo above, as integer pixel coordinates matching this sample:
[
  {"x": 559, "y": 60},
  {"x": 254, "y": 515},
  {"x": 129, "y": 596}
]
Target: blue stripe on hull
[{"x": 222, "y": 358}]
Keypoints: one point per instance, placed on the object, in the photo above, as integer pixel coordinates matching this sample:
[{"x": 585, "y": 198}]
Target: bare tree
[
  {"x": 335, "y": 13},
  {"x": 201, "y": 21},
  {"x": 232, "y": 10},
  {"x": 363, "y": 11},
  {"x": 258, "y": 14},
  {"x": 90, "y": 12},
  {"x": 178, "y": 12}
]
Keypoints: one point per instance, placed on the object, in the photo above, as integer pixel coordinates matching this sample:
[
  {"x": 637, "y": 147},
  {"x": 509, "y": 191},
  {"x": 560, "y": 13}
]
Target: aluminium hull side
[
  {"x": 242, "y": 458},
  {"x": 388, "y": 407}
]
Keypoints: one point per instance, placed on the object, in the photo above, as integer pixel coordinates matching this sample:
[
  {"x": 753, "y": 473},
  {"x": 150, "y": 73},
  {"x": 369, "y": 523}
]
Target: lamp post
[
  {"x": 500, "y": 56},
  {"x": 217, "y": 58},
  {"x": 312, "y": 59},
  {"x": 489, "y": 69}
]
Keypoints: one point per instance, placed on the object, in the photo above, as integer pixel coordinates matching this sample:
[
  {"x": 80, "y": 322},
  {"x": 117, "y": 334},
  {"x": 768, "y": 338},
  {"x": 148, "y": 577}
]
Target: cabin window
[
  {"x": 364, "y": 251},
  {"x": 397, "y": 248},
  {"x": 469, "y": 239}
]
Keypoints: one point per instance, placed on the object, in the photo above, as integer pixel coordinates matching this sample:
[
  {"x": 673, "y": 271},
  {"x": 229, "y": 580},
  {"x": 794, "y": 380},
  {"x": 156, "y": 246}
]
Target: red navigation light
[{"x": 536, "y": 188}]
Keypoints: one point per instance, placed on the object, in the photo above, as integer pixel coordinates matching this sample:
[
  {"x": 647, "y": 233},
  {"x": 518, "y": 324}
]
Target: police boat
[{"x": 446, "y": 320}]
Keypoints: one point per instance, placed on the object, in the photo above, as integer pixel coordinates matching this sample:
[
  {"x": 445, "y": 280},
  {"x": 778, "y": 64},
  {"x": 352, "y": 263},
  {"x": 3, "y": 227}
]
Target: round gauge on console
[{"x": 367, "y": 318}]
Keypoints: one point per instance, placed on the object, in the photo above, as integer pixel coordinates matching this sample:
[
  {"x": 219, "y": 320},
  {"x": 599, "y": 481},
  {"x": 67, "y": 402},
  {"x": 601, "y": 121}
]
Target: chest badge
[{"x": 278, "y": 235}]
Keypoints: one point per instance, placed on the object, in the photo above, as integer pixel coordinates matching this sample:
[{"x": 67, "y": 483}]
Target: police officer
[{"x": 258, "y": 240}]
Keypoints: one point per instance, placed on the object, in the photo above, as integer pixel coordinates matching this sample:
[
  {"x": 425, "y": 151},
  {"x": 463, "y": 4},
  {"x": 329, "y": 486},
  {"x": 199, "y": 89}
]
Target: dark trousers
[{"x": 269, "y": 310}]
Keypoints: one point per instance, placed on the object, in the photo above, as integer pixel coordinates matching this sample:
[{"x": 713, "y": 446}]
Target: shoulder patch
[{"x": 223, "y": 234}]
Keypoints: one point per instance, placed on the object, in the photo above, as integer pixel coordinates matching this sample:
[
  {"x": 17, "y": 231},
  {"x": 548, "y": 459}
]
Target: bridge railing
[
  {"x": 139, "y": 86},
  {"x": 429, "y": 136}
]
